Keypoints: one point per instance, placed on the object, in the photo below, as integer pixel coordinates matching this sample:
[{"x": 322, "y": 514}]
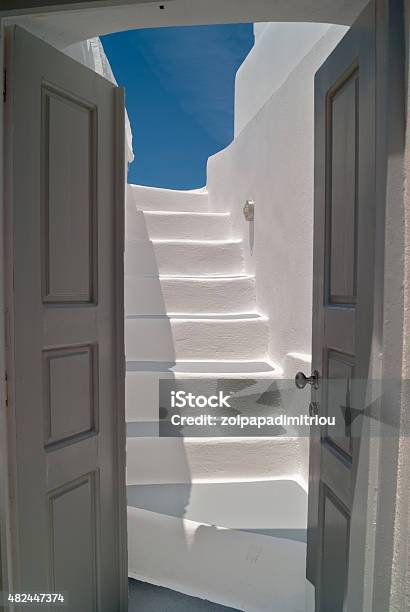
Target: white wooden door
[
  {"x": 64, "y": 193},
  {"x": 344, "y": 264}
]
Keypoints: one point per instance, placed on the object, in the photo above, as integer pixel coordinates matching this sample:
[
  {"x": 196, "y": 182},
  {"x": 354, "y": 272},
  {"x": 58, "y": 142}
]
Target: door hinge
[{"x": 4, "y": 85}]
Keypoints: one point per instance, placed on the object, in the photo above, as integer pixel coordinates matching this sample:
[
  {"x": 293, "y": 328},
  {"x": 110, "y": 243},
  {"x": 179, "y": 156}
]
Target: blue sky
[{"x": 179, "y": 95}]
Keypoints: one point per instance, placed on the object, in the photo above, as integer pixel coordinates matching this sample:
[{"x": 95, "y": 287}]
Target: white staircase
[
  {"x": 187, "y": 295},
  {"x": 190, "y": 313}
]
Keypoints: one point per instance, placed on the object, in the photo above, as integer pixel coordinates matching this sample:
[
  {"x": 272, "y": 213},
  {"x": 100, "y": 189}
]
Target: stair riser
[
  {"x": 180, "y": 460},
  {"x": 187, "y": 226},
  {"x": 192, "y": 259},
  {"x": 182, "y": 259},
  {"x": 147, "y": 198},
  {"x": 155, "y": 296},
  {"x": 165, "y": 340}
]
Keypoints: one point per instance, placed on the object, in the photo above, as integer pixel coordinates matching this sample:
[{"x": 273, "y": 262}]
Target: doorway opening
[{"x": 214, "y": 302}]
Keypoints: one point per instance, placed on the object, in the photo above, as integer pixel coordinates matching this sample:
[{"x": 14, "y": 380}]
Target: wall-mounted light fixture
[{"x": 249, "y": 210}]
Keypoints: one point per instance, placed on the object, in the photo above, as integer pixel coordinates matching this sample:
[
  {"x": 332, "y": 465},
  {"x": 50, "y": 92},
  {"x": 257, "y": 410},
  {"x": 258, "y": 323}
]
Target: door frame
[
  {"x": 389, "y": 315},
  {"x": 390, "y": 201}
]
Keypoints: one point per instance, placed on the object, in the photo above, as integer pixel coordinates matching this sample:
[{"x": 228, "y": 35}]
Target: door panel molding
[
  {"x": 55, "y": 199},
  {"x": 341, "y": 282},
  {"x": 59, "y": 425},
  {"x": 90, "y": 538},
  {"x": 335, "y": 524}
]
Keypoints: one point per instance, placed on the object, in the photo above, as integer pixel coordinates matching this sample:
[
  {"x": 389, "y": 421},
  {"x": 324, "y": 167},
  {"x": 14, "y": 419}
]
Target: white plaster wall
[
  {"x": 271, "y": 162},
  {"x": 401, "y": 565},
  {"x": 394, "y": 459},
  {"x": 258, "y": 28},
  {"x": 278, "y": 48}
]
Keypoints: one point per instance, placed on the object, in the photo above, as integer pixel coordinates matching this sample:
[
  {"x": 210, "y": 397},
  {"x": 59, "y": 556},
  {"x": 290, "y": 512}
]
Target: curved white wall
[
  {"x": 271, "y": 162},
  {"x": 278, "y": 48}
]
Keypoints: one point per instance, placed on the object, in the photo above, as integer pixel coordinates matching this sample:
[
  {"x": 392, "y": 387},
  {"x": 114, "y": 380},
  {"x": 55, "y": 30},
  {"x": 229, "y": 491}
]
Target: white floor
[
  {"x": 239, "y": 544},
  {"x": 145, "y": 597}
]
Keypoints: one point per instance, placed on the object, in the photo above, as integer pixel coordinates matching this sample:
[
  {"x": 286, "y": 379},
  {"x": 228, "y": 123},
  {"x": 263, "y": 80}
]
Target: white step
[
  {"x": 185, "y": 368},
  {"x": 152, "y": 198},
  {"x": 187, "y": 225},
  {"x": 162, "y": 338},
  {"x": 183, "y": 257},
  {"x": 197, "y": 294},
  {"x": 197, "y": 257},
  {"x": 238, "y": 544}
]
